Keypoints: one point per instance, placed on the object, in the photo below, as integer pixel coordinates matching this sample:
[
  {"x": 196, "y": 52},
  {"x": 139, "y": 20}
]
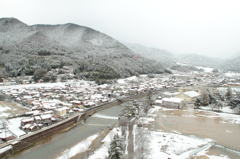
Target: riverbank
[
  {"x": 155, "y": 142},
  {"x": 29, "y": 139},
  {"x": 222, "y": 128}
]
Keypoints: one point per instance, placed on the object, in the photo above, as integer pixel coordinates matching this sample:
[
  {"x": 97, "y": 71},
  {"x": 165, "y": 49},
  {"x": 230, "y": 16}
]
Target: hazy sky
[{"x": 206, "y": 27}]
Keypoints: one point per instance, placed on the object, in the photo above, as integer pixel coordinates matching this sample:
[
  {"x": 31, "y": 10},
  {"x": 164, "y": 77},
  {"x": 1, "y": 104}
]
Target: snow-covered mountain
[
  {"x": 24, "y": 48},
  {"x": 165, "y": 57},
  {"x": 200, "y": 60},
  {"x": 232, "y": 64}
]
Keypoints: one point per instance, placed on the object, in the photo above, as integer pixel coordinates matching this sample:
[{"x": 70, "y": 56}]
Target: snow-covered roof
[
  {"x": 37, "y": 118},
  {"x": 174, "y": 100},
  {"x": 62, "y": 109},
  {"x": 27, "y": 97},
  {"x": 191, "y": 94},
  {"x": 158, "y": 101},
  {"x": 33, "y": 112},
  {"x": 27, "y": 120},
  {"x": 75, "y": 102},
  {"x": 5, "y": 134},
  {"x": 169, "y": 93},
  {"x": 47, "y": 116}
]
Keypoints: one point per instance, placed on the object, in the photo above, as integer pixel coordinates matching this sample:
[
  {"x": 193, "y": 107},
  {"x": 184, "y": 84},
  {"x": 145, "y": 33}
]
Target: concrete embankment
[{"x": 29, "y": 139}]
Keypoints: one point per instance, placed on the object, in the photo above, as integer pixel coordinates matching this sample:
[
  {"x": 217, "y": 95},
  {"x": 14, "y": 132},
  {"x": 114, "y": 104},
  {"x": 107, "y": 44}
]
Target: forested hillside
[{"x": 92, "y": 54}]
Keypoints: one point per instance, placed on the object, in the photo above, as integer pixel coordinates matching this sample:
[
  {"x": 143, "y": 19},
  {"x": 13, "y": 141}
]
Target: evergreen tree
[
  {"x": 116, "y": 148},
  {"x": 204, "y": 97},
  {"x": 219, "y": 96},
  {"x": 219, "y": 104},
  {"x": 229, "y": 95},
  {"x": 198, "y": 103},
  {"x": 212, "y": 99},
  {"x": 234, "y": 103}
]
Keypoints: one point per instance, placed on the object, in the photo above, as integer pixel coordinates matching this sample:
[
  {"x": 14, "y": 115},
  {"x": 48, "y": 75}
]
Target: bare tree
[
  {"x": 141, "y": 143},
  {"x": 123, "y": 122},
  {"x": 4, "y": 126},
  {"x": 149, "y": 102},
  {"x": 204, "y": 97}
]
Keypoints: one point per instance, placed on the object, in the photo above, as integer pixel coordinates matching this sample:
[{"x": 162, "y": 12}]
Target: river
[
  {"x": 50, "y": 147},
  {"x": 224, "y": 131},
  {"x": 205, "y": 124}
]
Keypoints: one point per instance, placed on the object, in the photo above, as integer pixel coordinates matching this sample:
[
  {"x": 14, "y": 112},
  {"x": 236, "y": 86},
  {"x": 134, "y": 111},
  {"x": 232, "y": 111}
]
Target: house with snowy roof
[
  {"x": 189, "y": 96},
  {"x": 6, "y": 135},
  {"x": 176, "y": 103}
]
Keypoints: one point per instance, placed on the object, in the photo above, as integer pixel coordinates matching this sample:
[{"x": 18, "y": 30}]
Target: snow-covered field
[
  {"x": 175, "y": 146},
  {"x": 13, "y": 126},
  {"x": 226, "y": 114},
  {"x": 33, "y": 85},
  {"x": 232, "y": 74},
  {"x": 2, "y": 110},
  {"x": 206, "y": 69}
]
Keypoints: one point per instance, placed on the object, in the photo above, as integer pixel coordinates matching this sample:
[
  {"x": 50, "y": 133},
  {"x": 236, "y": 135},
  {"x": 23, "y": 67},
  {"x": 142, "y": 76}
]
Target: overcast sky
[{"x": 206, "y": 27}]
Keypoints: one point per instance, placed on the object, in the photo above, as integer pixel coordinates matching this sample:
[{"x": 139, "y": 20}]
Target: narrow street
[{"x": 130, "y": 148}]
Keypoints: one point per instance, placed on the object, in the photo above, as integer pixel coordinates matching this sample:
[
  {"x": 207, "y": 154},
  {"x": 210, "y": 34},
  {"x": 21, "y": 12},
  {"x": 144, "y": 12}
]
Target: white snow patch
[
  {"x": 103, "y": 150},
  {"x": 228, "y": 118},
  {"x": 2, "y": 109},
  {"x": 232, "y": 74},
  {"x": 104, "y": 116},
  {"x": 14, "y": 126},
  {"x": 78, "y": 148},
  {"x": 206, "y": 69},
  {"x": 33, "y": 85},
  {"x": 5, "y": 148},
  {"x": 168, "y": 145}
]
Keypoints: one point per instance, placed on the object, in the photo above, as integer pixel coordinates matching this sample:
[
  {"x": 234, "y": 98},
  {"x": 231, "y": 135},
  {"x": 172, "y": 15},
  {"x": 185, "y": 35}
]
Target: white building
[{"x": 172, "y": 103}]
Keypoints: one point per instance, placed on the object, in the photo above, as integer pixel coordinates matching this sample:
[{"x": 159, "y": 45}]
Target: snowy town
[{"x": 29, "y": 107}]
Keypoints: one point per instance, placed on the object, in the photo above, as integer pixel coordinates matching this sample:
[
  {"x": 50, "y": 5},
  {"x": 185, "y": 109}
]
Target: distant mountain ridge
[
  {"x": 169, "y": 59},
  {"x": 25, "y": 48},
  {"x": 232, "y": 64},
  {"x": 163, "y": 56},
  {"x": 200, "y": 60}
]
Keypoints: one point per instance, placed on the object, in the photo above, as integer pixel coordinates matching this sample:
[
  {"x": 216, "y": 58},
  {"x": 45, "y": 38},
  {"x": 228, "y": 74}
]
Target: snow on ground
[
  {"x": 230, "y": 118},
  {"x": 78, "y": 148},
  {"x": 232, "y": 74},
  {"x": 132, "y": 78},
  {"x": 182, "y": 64},
  {"x": 5, "y": 148},
  {"x": 204, "y": 153},
  {"x": 37, "y": 85},
  {"x": 104, "y": 116},
  {"x": 206, "y": 69},
  {"x": 33, "y": 85},
  {"x": 2, "y": 109},
  {"x": 14, "y": 125},
  {"x": 225, "y": 109},
  {"x": 154, "y": 109},
  {"x": 172, "y": 145},
  {"x": 103, "y": 150}
]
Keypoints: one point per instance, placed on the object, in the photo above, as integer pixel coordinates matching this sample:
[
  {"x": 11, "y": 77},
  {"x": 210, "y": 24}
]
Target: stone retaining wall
[{"x": 30, "y": 139}]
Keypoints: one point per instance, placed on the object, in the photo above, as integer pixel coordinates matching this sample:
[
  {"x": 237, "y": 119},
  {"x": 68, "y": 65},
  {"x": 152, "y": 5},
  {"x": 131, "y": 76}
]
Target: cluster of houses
[
  {"x": 191, "y": 86},
  {"x": 50, "y": 103},
  {"x": 179, "y": 99}
]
